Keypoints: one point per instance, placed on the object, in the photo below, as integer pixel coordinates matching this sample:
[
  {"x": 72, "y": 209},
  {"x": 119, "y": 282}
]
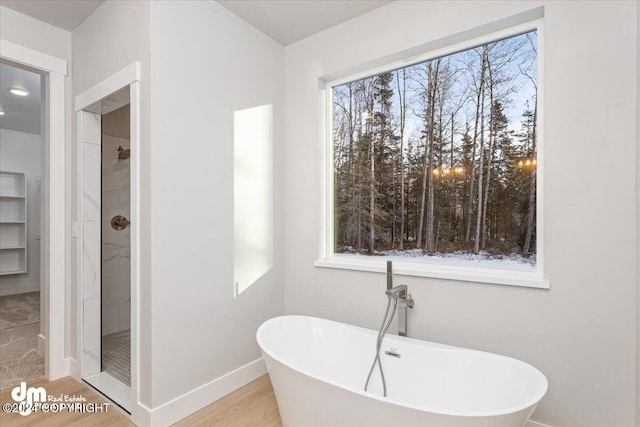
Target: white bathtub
[{"x": 318, "y": 369}]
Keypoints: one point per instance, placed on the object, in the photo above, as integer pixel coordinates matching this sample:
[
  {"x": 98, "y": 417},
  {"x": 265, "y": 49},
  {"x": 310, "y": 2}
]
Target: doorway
[
  {"x": 52, "y": 223},
  {"x": 108, "y": 140},
  {"x": 106, "y": 241},
  {"x": 22, "y": 140},
  {"x": 116, "y": 243}
]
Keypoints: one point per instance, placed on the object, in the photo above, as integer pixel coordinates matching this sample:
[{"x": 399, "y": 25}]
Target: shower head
[{"x": 123, "y": 153}]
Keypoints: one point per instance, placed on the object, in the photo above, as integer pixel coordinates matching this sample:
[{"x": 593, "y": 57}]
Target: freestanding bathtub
[{"x": 318, "y": 369}]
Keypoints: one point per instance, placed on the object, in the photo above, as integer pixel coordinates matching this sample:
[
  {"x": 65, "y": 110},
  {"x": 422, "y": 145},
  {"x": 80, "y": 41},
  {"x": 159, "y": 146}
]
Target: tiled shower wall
[
  {"x": 91, "y": 265},
  {"x": 116, "y": 248}
]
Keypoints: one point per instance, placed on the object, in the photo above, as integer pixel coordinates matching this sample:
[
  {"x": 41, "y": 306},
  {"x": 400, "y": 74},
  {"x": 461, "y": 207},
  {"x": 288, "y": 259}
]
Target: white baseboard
[
  {"x": 182, "y": 406},
  {"x": 532, "y": 423},
  {"x": 42, "y": 341},
  {"x": 18, "y": 288},
  {"x": 74, "y": 369}
]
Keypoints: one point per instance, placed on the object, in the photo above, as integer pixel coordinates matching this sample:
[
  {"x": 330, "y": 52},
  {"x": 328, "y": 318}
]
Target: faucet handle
[{"x": 410, "y": 302}]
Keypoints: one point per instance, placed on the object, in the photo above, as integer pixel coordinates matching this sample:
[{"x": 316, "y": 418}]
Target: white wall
[
  {"x": 29, "y": 32},
  {"x": 581, "y": 332},
  {"x": 20, "y": 152},
  {"x": 115, "y": 35},
  {"x": 207, "y": 64}
]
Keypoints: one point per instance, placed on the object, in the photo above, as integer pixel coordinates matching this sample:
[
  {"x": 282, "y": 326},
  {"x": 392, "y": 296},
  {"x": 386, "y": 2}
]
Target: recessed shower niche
[{"x": 106, "y": 242}]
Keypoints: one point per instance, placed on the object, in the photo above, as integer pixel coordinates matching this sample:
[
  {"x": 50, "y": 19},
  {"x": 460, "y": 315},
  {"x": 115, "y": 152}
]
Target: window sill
[{"x": 467, "y": 274}]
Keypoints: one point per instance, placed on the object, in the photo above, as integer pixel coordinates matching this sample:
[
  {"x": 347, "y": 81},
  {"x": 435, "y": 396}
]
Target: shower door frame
[{"x": 128, "y": 76}]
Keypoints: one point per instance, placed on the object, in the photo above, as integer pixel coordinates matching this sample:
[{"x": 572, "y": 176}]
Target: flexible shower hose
[{"x": 383, "y": 331}]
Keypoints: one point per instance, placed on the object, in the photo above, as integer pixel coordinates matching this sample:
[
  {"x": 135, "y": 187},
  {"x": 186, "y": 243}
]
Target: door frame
[
  {"x": 129, "y": 76},
  {"x": 53, "y": 220}
]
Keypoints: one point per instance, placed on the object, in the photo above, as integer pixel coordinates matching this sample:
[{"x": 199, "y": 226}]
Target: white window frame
[{"x": 326, "y": 256}]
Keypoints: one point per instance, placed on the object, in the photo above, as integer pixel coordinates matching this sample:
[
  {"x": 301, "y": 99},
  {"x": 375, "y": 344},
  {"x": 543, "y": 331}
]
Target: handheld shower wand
[{"x": 386, "y": 322}]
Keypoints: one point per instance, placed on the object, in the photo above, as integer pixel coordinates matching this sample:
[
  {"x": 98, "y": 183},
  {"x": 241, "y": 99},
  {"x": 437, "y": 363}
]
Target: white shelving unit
[{"x": 13, "y": 223}]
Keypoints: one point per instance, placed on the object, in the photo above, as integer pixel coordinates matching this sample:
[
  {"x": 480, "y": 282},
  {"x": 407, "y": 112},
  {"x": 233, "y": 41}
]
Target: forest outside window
[{"x": 435, "y": 164}]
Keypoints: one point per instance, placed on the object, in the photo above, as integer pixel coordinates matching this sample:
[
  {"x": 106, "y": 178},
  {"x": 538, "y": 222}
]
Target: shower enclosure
[
  {"x": 116, "y": 246},
  {"x": 106, "y": 242}
]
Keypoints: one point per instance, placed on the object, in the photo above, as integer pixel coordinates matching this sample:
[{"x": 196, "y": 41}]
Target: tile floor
[{"x": 20, "y": 359}]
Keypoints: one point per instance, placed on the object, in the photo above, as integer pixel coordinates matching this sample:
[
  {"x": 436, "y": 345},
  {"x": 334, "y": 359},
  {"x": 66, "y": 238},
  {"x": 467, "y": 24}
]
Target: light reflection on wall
[{"x": 253, "y": 195}]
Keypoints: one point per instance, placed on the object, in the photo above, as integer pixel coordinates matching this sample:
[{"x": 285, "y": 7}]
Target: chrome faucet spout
[{"x": 398, "y": 292}]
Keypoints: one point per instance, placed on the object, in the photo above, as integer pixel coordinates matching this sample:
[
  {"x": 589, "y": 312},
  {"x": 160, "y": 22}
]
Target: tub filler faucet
[
  {"x": 404, "y": 300},
  {"x": 400, "y": 299}
]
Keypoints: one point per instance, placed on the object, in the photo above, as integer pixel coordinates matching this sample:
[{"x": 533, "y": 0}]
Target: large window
[{"x": 436, "y": 163}]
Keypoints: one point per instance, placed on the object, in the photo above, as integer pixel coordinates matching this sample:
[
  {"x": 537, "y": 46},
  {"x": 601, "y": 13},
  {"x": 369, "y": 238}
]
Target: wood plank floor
[{"x": 253, "y": 405}]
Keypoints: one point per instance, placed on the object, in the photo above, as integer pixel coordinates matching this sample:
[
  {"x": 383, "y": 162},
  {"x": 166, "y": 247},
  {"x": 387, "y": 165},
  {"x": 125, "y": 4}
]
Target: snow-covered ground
[{"x": 513, "y": 262}]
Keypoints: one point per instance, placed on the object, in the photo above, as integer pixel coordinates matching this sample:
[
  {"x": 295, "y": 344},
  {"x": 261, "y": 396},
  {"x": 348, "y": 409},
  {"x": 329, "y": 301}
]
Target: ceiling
[
  {"x": 288, "y": 21},
  {"x": 65, "y": 14},
  {"x": 21, "y": 113}
]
